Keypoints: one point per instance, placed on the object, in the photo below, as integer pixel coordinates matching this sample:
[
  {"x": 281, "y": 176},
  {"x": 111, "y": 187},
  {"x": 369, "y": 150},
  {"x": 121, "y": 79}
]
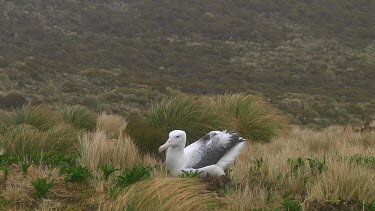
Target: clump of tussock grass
[
  {"x": 38, "y": 116},
  {"x": 79, "y": 117},
  {"x": 97, "y": 150},
  {"x": 194, "y": 114},
  {"x": 112, "y": 125},
  {"x": 28, "y": 142},
  {"x": 165, "y": 194},
  {"x": 251, "y": 116}
]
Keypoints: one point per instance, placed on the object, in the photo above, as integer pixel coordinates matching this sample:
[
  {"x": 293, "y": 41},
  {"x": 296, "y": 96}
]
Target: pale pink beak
[{"x": 165, "y": 146}]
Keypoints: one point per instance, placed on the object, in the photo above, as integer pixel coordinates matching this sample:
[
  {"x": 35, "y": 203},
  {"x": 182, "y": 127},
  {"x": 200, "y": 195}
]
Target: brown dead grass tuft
[
  {"x": 165, "y": 194},
  {"x": 96, "y": 149},
  {"x": 112, "y": 125}
]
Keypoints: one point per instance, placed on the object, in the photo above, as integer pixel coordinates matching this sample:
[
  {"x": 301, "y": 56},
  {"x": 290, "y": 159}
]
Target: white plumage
[{"x": 210, "y": 155}]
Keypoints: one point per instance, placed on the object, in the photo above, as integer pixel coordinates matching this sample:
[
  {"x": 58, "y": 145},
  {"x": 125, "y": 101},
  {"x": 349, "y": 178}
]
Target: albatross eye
[{"x": 177, "y": 136}]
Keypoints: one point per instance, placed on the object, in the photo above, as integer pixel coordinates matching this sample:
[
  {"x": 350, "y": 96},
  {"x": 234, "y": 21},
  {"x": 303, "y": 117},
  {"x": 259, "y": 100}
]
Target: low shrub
[{"x": 14, "y": 100}]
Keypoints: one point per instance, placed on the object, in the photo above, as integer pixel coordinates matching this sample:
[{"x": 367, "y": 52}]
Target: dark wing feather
[{"x": 210, "y": 149}]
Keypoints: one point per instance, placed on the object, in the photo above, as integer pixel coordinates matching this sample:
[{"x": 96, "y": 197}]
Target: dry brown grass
[
  {"x": 261, "y": 178},
  {"x": 109, "y": 146},
  {"x": 96, "y": 149},
  {"x": 112, "y": 125},
  {"x": 344, "y": 181},
  {"x": 339, "y": 180},
  {"x": 165, "y": 194}
]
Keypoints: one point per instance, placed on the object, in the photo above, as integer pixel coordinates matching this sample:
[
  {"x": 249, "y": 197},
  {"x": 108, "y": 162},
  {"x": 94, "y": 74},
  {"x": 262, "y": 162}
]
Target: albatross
[{"x": 210, "y": 155}]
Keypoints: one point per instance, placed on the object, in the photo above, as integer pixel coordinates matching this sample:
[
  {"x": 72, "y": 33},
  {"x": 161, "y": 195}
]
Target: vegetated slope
[{"x": 314, "y": 59}]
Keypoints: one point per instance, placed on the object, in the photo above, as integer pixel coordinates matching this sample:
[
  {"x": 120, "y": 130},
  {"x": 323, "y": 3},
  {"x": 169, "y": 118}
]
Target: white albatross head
[{"x": 177, "y": 139}]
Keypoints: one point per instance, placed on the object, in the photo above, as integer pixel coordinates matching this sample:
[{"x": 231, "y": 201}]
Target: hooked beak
[{"x": 165, "y": 146}]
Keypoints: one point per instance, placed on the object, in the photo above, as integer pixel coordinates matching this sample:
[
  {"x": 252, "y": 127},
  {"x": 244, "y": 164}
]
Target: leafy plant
[
  {"x": 5, "y": 169},
  {"x": 25, "y": 166},
  {"x": 42, "y": 187},
  {"x": 316, "y": 165},
  {"x": 291, "y": 205},
  {"x": 107, "y": 171},
  {"x": 61, "y": 160},
  {"x": 130, "y": 176},
  {"x": 7, "y": 159},
  {"x": 76, "y": 174},
  {"x": 256, "y": 166},
  {"x": 295, "y": 165},
  {"x": 190, "y": 174},
  {"x": 362, "y": 159}
]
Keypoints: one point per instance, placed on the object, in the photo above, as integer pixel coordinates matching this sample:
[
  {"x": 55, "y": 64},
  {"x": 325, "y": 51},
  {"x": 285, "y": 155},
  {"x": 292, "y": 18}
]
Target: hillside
[{"x": 313, "y": 59}]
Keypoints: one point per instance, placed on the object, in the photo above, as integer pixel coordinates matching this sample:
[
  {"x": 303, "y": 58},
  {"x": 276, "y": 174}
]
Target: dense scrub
[{"x": 313, "y": 59}]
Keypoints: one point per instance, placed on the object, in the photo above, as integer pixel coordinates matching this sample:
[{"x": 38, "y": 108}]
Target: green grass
[
  {"x": 29, "y": 143},
  {"x": 250, "y": 116},
  {"x": 38, "y": 116},
  {"x": 79, "y": 117},
  {"x": 193, "y": 114}
]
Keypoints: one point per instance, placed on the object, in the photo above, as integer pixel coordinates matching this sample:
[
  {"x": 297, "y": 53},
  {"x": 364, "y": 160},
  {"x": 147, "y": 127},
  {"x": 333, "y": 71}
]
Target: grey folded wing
[{"x": 210, "y": 149}]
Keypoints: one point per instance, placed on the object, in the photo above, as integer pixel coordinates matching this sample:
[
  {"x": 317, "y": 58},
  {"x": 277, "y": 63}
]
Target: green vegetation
[
  {"x": 76, "y": 174},
  {"x": 193, "y": 114},
  {"x": 25, "y": 166},
  {"x": 165, "y": 65},
  {"x": 42, "y": 187},
  {"x": 190, "y": 174},
  {"x": 249, "y": 115},
  {"x": 107, "y": 171},
  {"x": 300, "y": 169},
  {"x": 79, "y": 117},
  {"x": 130, "y": 176},
  {"x": 312, "y": 59}
]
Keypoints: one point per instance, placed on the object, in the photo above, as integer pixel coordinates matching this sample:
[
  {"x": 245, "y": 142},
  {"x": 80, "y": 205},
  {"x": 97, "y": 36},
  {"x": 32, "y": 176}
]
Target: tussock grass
[
  {"x": 112, "y": 125},
  {"x": 96, "y": 149},
  {"x": 165, "y": 194},
  {"x": 345, "y": 181},
  {"x": 251, "y": 116},
  {"x": 38, "y": 116},
  {"x": 28, "y": 142},
  {"x": 108, "y": 145},
  {"x": 289, "y": 167},
  {"x": 193, "y": 114},
  {"x": 79, "y": 117}
]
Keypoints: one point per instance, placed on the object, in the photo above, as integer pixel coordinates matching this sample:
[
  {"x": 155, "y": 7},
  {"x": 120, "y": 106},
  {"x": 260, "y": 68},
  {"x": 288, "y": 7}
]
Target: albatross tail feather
[{"x": 228, "y": 159}]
